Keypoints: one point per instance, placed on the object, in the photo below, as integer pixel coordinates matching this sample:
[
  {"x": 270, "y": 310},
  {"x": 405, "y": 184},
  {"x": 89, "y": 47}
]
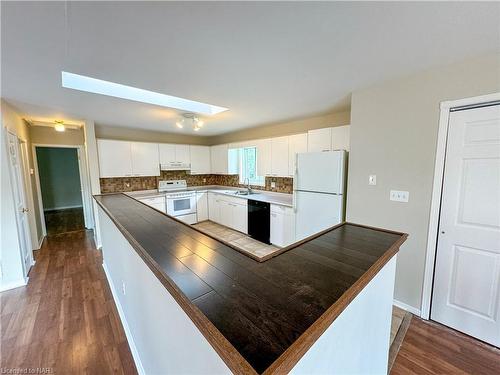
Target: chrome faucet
[{"x": 247, "y": 180}]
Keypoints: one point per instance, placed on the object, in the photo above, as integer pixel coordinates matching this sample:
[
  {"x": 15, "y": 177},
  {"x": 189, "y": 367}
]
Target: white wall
[{"x": 393, "y": 135}]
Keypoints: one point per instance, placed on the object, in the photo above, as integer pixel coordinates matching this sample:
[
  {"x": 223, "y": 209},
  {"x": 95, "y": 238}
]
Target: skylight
[{"x": 98, "y": 86}]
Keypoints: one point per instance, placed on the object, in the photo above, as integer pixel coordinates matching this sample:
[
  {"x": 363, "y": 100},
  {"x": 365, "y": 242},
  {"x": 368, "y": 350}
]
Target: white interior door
[
  {"x": 20, "y": 203},
  {"x": 467, "y": 272}
]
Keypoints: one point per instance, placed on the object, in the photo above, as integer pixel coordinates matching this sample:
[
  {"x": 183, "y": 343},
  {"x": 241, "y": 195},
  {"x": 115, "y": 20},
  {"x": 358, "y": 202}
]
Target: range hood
[{"x": 175, "y": 166}]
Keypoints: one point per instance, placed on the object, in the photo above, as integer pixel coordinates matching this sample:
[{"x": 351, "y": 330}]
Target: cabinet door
[
  {"x": 200, "y": 159},
  {"x": 297, "y": 144},
  {"x": 213, "y": 207},
  {"x": 145, "y": 159},
  {"x": 167, "y": 153},
  {"x": 202, "y": 206},
  {"x": 319, "y": 140},
  {"x": 279, "y": 156},
  {"x": 264, "y": 157},
  {"x": 277, "y": 229},
  {"x": 340, "y": 137},
  {"x": 115, "y": 158},
  {"x": 182, "y": 154},
  {"x": 219, "y": 159},
  {"x": 226, "y": 213},
  {"x": 240, "y": 218}
]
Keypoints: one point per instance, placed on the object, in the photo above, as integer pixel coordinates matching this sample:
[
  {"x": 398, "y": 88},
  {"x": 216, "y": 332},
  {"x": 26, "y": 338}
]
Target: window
[{"x": 248, "y": 162}]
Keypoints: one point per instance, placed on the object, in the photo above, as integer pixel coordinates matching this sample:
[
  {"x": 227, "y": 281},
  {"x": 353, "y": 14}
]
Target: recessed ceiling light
[{"x": 117, "y": 90}]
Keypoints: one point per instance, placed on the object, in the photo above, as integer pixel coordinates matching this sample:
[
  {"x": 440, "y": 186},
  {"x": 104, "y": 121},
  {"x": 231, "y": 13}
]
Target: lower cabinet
[
  {"x": 228, "y": 211},
  {"x": 201, "y": 206},
  {"x": 155, "y": 202},
  {"x": 282, "y": 225}
]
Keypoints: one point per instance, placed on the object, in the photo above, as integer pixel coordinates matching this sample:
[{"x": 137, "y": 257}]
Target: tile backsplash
[{"x": 120, "y": 184}]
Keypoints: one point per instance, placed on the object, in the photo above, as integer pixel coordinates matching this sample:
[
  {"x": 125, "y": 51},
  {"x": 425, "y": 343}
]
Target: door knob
[
  {"x": 442, "y": 232},
  {"x": 25, "y": 210}
]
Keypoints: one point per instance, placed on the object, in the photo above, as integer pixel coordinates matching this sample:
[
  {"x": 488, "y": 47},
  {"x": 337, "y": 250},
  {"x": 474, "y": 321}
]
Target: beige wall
[
  {"x": 14, "y": 123},
  {"x": 48, "y": 136},
  {"x": 128, "y": 134},
  {"x": 393, "y": 135},
  {"x": 284, "y": 128}
]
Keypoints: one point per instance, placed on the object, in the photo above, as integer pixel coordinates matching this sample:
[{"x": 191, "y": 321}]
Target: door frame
[
  {"x": 84, "y": 183},
  {"x": 432, "y": 235}
]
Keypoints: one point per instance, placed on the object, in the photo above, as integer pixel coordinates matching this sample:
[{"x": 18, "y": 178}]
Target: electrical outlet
[
  {"x": 399, "y": 196},
  {"x": 372, "y": 179},
  {"x": 123, "y": 288},
  {"x": 204, "y": 180},
  {"x": 273, "y": 185}
]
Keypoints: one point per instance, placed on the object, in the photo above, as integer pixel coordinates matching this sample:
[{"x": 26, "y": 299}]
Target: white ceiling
[{"x": 266, "y": 62}]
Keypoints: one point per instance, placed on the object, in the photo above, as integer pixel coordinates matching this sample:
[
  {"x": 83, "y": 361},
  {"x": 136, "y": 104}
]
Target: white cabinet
[
  {"x": 282, "y": 225},
  {"x": 264, "y": 165},
  {"x": 297, "y": 143},
  {"x": 279, "y": 156},
  {"x": 341, "y": 137},
  {"x": 240, "y": 217},
  {"x": 229, "y": 211},
  {"x": 319, "y": 140},
  {"x": 224, "y": 160},
  {"x": 213, "y": 207},
  {"x": 200, "y": 159},
  {"x": 126, "y": 159},
  {"x": 173, "y": 153},
  {"x": 145, "y": 161},
  {"x": 115, "y": 158},
  {"x": 201, "y": 206}
]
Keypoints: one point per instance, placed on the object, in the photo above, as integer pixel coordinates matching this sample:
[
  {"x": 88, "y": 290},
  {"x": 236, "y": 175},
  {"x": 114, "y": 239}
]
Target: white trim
[
  {"x": 14, "y": 284},
  {"x": 40, "y": 242},
  {"x": 84, "y": 183},
  {"x": 437, "y": 190},
  {"x": 128, "y": 333},
  {"x": 406, "y": 307}
]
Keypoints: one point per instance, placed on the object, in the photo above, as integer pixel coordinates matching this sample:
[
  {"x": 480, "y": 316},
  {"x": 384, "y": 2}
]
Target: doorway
[
  {"x": 466, "y": 287},
  {"x": 60, "y": 189}
]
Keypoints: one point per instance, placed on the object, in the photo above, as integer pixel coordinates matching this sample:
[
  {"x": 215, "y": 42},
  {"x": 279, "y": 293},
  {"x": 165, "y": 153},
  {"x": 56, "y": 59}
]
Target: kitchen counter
[
  {"x": 258, "y": 317},
  {"x": 260, "y": 195}
]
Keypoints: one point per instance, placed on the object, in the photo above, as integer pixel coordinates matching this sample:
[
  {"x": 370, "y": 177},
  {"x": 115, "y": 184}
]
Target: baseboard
[
  {"x": 406, "y": 307},
  {"x": 61, "y": 208},
  {"x": 14, "y": 284},
  {"x": 40, "y": 242},
  {"x": 128, "y": 334}
]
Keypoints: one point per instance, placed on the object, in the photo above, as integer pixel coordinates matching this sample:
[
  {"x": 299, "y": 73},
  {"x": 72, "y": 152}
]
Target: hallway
[
  {"x": 63, "y": 221},
  {"x": 65, "y": 319}
]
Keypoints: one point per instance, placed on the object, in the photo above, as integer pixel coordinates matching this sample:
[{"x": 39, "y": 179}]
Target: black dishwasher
[{"x": 259, "y": 220}]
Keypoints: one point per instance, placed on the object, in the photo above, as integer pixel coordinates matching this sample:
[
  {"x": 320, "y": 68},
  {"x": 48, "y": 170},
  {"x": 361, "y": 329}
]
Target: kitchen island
[{"x": 190, "y": 304}]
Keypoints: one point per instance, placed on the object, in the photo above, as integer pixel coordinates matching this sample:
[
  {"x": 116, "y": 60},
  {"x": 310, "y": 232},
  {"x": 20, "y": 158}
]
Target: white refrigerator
[{"x": 319, "y": 191}]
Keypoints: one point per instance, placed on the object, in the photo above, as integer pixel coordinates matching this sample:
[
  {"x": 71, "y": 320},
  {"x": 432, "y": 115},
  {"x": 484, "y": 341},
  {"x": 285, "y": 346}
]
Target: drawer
[{"x": 279, "y": 209}]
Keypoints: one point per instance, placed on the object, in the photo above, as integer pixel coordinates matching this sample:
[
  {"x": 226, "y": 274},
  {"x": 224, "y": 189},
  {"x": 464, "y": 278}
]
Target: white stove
[{"x": 180, "y": 204}]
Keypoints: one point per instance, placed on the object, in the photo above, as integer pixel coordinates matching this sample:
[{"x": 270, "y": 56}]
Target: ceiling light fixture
[
  {"x": 191, "y": 118},
  {"x": 59, "y": 126},
  {"x": 117, "y": 90}
]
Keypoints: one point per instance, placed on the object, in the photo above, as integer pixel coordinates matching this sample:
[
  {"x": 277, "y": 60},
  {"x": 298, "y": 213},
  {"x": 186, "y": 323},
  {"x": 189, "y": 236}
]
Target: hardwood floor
[
  {"x": 65, "y": 318},
  {"x": 62, "y": 221},
  {"x": 430, "y": 348}
]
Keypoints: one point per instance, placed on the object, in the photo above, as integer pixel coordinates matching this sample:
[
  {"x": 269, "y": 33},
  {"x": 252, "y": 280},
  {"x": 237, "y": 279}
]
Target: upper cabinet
[
  {"x": 173, "y": 156},
  {"x": 264, "y": 165},
  {"x": 328, "y": 139},
  {"x": 297, "y": 144},
  {"x": 319, "y": 140},
  {"x": 224, "y": 160},
  {"x": 127, "y": 159},
  {"x": 279, "y": 156},
  {"x": 341, "y": 137},
  {"x": 200, "y": 159}
]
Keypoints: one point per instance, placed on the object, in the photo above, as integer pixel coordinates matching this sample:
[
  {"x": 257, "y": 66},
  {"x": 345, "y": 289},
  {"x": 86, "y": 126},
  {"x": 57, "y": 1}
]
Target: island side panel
[
  {"x": 357, "y": 342},
  {"x": 162, "y": 338}
]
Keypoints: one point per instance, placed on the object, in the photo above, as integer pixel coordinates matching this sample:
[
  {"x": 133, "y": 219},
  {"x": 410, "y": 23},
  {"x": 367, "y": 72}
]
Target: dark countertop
[{"x": 261, "y": 309}]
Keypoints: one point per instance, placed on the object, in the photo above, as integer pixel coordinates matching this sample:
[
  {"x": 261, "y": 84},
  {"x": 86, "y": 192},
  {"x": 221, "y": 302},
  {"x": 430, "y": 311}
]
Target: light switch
[
  {"x": 372, "y": 179},
  {"x": 399, "y": 196}
]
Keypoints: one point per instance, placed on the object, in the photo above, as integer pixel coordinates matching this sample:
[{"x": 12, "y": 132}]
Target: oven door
[{"x": 181, "y": 205}]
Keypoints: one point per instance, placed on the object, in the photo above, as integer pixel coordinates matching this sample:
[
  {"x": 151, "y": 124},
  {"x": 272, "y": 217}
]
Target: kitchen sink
[{"x": 244, "y": 192}]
